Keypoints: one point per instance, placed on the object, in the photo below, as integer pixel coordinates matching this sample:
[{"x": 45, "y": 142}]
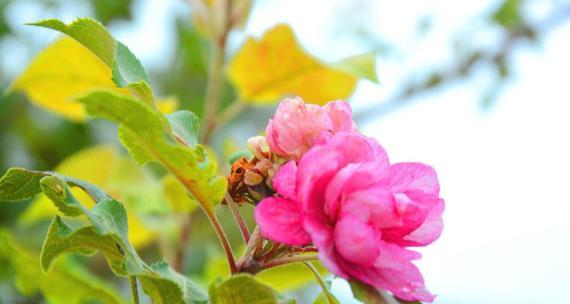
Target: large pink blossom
[
  {"x": 360, "y": 211},
  {"x": 296, "y": 126}
]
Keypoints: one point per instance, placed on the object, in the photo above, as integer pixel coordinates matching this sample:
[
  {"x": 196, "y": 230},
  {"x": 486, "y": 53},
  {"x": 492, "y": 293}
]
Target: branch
[{"x": 465, "y": 66}]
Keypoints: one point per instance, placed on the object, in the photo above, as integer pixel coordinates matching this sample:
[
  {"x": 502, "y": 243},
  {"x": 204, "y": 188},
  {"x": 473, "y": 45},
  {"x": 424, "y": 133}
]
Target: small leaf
[
  {"x": 90, "y": 33},
  {"x": 19, "y": 184},
  {"x": 185, "y": 126},
  {"x": 366, "y": 294},
  {"x": 94, "y": 36},
  {"x": 241, "y": 289},
  {"x": 274, "y": 66},
  {"x": 161, "y": 290},
  {"x": 148, "y": 135},
  {"x": 88, "y": 59}
]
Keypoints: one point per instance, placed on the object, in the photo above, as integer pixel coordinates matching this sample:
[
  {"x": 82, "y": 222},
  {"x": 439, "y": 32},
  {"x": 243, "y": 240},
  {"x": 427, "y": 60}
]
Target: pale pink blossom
[
  {"x": 359, "y": 210},
  {"x": 296, "y": 126}
]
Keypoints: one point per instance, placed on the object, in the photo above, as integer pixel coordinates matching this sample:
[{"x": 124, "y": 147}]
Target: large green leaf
[
  {"x": 65, "y": 283},
  {"x": 127, "y": 69},
  {"x": 107, "y": 234},
  {"x": 150, "y": 135},
  {"x": 241, "y": 289}
]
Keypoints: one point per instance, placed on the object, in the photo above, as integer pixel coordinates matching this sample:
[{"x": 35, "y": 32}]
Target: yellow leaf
[
  {"x": 176, "y": 195},
  {"x": 167, "y": 105},
  {"x": 62, "y": 71},
  {"x": 117, "y": 175},
  {"x": 283, "y": 278},
  {"x": 266, "y": 69}
]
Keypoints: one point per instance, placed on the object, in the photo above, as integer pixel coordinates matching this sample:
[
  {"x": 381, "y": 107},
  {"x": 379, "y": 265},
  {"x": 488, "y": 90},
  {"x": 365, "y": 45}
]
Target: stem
[
  {"x": 213, "y": 91},
  {"x": 215, "y": 76},
  {"x": 236, "y": 107},
  {"x": 238, "y": 218},
  {"x": 326, "y": 291},
  {"x": 134, "y": 289},
  {"x": 223, "y": 239},
  {"x": 178, "y": 263},
  {"x": 289, "y": 260}
]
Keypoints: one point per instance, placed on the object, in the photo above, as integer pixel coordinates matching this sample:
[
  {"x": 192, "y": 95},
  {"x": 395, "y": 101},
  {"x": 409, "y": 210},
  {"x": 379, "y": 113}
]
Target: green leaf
[
  {"x": 107, "y": 234},
  {"x": 92, "y": 34},
  {"x": 127, "y": 69},
  {"x": 370, "y": 295},
  {"x": 55, "y": 189},
  {"x": 185, "y": 126},
  {"x": 19, "y": 184},
  {"x": 64, "y": 284},
  {"x": 241, "y": 289},
  {"x": 365, "y": 293},
  {"x": 148, "y": 135},
  {"x": 161, "y": 290}
]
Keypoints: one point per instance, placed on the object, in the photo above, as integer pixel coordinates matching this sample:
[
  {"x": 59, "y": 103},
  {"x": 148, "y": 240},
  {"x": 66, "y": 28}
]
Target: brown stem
[
  {"x": 215, "y": 76},
  {"x": 223, "y": 240},
  {"x": 178, "y": 263},
  {"x": 289, "y": 260},
  {"x": 239, "y": 219}
]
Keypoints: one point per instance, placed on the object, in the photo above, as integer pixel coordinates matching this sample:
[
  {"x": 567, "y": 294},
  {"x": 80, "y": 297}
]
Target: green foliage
[
  {"x": 55, "y": 286},
  {"x": 108, "y": 10},
  {"x": 508, "y": 14},
  {"x": 127, "y": 69},
  {"x": 148, "y": 135},
  {"x": 107, "y": 234},
  {"x": 326, "y": 298},
  {"x": 370, "y": 295},
  {"x": 241, "y": 289}
]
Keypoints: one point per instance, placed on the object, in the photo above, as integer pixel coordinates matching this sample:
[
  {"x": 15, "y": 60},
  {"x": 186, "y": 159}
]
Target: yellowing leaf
[
  {"x": 274, "y": 66},
  {"x": 116, "y": 174},
  {"x": 63, "y": 71},
  {"x": 283, "y": 278},
  {"x": 176, "y": 195},
  {"x": 167, "y": 105}
]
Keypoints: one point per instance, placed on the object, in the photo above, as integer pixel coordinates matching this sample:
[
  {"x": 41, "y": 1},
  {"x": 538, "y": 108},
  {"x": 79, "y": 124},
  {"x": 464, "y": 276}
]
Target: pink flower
[
  {"x": 359, "y": 210},
  {"x": 296, "y": 126}
]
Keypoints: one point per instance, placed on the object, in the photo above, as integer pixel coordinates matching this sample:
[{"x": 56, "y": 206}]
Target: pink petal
[
  {"x": 353, "y": 178},
  {"x": 430, "y": 230},
  {"x": 355, "y": 240},
  {"x": 413, "y": 208},
  {"x": 285, "y": 179},
  {"x": 413, "y": 177},
  {"x": 280, "y": 220},
  {"x": 393, "y": 271},
  {"x": 341, "y": 115}
]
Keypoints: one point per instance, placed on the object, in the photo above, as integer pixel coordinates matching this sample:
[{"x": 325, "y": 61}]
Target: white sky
[{"x": 504, "y": 173}]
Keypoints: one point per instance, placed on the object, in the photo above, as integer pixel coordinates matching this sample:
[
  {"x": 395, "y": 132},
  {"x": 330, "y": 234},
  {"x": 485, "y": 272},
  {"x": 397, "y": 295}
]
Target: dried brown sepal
[{"x": 247, "y": 182}]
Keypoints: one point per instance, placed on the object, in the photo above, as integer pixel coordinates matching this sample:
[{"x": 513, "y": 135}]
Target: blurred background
[{"x": 477, "y": 89}]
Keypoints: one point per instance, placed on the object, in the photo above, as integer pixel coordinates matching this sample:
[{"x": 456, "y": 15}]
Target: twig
[
  {"x": 178, "y": 263},
  {"x": 289, "y": 260},
  {"x": 239, "y": 219},
  {"x": 464, "y": 68},
  {"x": 321, "y": 281},
  {"x": 134, "y": 289}
]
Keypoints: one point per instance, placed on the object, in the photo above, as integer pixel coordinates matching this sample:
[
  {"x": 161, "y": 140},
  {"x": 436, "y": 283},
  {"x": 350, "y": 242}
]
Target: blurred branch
[{"x": 462, "y": 69}]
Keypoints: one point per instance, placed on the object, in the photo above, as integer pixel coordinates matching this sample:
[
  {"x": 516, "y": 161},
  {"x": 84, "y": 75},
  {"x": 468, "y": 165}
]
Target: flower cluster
[{"x": 339, "y": 192}]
